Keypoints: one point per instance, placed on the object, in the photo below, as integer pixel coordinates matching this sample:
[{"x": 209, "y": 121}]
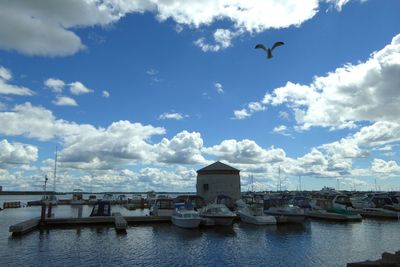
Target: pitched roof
[{"x": 218, "y": 166}]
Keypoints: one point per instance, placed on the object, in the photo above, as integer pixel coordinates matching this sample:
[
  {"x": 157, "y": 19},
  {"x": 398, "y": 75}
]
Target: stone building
[{"x": 218, "y": 179}]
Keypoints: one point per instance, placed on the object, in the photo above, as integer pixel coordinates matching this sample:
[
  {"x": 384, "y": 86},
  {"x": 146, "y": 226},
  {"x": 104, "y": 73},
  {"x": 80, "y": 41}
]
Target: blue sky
[{"x": 138, "y": 95}]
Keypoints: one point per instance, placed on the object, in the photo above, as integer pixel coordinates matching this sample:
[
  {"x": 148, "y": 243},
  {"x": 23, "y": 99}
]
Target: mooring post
[
  {"x": 49, "y": 210},
  {"x": 43, "y": 212},
  {"x": 80, "y": 212}
]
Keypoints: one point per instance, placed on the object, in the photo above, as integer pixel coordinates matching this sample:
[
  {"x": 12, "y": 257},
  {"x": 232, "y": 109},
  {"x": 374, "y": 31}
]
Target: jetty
[
  {"x": 120, "y": 222},
  {"x": 25, "y": 227}
]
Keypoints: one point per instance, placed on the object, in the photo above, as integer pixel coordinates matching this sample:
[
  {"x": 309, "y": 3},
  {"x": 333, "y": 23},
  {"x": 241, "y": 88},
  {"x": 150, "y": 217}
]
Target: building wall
[{"x": 218, "y": 184}]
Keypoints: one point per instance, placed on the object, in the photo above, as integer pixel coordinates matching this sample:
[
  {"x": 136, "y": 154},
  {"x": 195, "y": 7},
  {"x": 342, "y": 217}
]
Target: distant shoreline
[{"x": 64, "y": 193}]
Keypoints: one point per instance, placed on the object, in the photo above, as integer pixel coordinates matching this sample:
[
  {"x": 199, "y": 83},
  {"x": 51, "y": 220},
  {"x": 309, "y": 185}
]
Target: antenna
[
  {"x": 55, "y": 171},
  {"x": 299, "y": 183}
]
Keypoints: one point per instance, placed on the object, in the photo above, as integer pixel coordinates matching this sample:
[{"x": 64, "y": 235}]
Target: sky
[{"x": 138, "y": 95}]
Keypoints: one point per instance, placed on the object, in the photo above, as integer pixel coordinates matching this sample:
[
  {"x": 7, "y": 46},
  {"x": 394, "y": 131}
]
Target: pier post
[
  {"x": 43, "y": 212},
  {"x": 141, "y": 203},
  {"x": 80, "y": 212},
  {"x": 49, "y": 211}
]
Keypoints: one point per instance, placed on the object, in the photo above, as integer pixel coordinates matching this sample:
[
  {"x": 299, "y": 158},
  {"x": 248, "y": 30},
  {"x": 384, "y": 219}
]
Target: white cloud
[
  {"x": 281, "y": 129},
  {"x": 54, "y": 20},
  {"x": 57, "y": 20},
  {"x": 8, "y": 89},
  {"x": 184, "y": 148},
  {"x": 171, "y": 116},
  {"x": 65, "y": 101},
  {"x": 245, "y": 151},
  {"x": 241, "y": 114},
  {"x": 218, "y": 86},
  {"x": 352, "y": 93},
  {"x": 381, "y": 166},
  {"x": 256, "y": 107},
  {"x": 77, "y": 88},
  {"x": 16, "y": 153},
  {"x": 105, "y": 94},
  {"x": 5, "y": 74},
  {"x": 55, "y": 85},
  {"x": 222, "y": 38}
]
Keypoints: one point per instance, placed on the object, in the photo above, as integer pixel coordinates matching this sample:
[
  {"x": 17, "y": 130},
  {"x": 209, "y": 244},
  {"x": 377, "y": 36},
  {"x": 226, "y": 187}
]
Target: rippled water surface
[{"x": 316, "y": 243}]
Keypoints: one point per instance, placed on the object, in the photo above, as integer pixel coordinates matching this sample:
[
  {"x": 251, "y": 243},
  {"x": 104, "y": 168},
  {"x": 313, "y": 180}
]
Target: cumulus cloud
[
  {"x": 65, "y": 101},
  {"x": 77, "y": 88},
  {"x": 352, "y": 93},
  {"x": 381, "y": 166},
  {"x": 245, "y": 113},
  {"x": 245, "y": 151},
  {"x": 54, "y": 20},
  {"x": 57, "y": 20},
  {"x": 16, "y": 153},
  {"x": 241, "y": 114},
  {"x": 55, "y": 85},
  {"x": 172, "y": 116},
  {"x": 8, "y": 89},
  {"x": 184, "y": 148}
]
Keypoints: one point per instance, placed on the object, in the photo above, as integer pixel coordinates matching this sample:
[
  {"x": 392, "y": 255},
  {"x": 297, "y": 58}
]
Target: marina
[
  {"x": 156, "y": 241},
  {"x": 217, "y": 214}
]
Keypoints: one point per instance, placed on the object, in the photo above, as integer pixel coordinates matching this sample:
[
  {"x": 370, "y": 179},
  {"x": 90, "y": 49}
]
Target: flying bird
[{"x": 269, "y": 50}]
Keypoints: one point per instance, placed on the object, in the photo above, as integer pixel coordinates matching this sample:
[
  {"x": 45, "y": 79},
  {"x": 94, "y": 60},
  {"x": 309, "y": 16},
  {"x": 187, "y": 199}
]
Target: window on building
[{"x": 205, "y": 187}]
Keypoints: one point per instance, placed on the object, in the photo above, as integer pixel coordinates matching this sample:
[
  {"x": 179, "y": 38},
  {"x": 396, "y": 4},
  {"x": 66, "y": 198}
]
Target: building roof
[{"x": 217, "y": 166}]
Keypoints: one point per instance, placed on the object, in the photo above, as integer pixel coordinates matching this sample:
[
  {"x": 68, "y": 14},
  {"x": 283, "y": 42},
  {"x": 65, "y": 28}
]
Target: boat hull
[
  {"x": 186, "y": 223},
  {"x": 219, "y": 220},
  {"x": 379, "y": 213},
  {"x": 257, "y": 219},
  {"x": 332, "y": 216},
  {"x": 286, "y": 217}
]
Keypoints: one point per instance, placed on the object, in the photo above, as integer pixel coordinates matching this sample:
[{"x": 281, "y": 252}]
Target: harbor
[{"x": 312, "y": 243}]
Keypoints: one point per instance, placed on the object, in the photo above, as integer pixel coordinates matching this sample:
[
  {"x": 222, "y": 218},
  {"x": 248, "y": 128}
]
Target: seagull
[{"x": 269, "y": 50}]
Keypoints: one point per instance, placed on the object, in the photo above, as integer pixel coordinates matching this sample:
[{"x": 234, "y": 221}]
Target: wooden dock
[
  {"x": 120, "y": 222},
  {"x": 24, "y": 227}
]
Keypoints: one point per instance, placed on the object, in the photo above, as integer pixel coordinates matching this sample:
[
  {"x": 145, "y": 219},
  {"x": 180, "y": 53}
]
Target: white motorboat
[
  {"x": 283, "y": 212},
  {"x": 217, "y": 214},
  {"x": 253, "y": 214},
  {"x": 163, "y": 207},
  {"x": 379, "y": 213},
  {"x": 185, "y": 217},
  {"x": 287, "y": 214},
  {"x": 338, "y": 209},
  {"x": 77, "y": 197}
]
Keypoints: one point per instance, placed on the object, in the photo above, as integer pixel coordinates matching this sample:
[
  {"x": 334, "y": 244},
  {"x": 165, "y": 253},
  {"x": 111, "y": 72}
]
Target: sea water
[{"x": 314, "y": 243}]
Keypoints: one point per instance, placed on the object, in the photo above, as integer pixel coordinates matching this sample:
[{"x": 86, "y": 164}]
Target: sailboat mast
[{"x": 55, "y": 172}]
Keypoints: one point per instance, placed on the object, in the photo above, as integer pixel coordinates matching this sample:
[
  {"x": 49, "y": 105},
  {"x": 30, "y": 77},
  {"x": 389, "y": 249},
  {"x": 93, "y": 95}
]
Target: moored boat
[
  {"x": 185, "y": 217},
  {"x": 283, "y": 212},
  {"x": 77, "y": 197},
  {"x": 217, "y": 214},
  {"x": 379, "y": 213},
  {"x": 253, "y": 214},
  {"x": 163, "y": 207},
  {"x": 334, "y": 215}
]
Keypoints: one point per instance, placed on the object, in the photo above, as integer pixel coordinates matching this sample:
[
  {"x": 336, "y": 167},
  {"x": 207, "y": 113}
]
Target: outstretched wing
[
  {"x": 261, "y": 46},
  {"x": 277, "y": 44}
]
